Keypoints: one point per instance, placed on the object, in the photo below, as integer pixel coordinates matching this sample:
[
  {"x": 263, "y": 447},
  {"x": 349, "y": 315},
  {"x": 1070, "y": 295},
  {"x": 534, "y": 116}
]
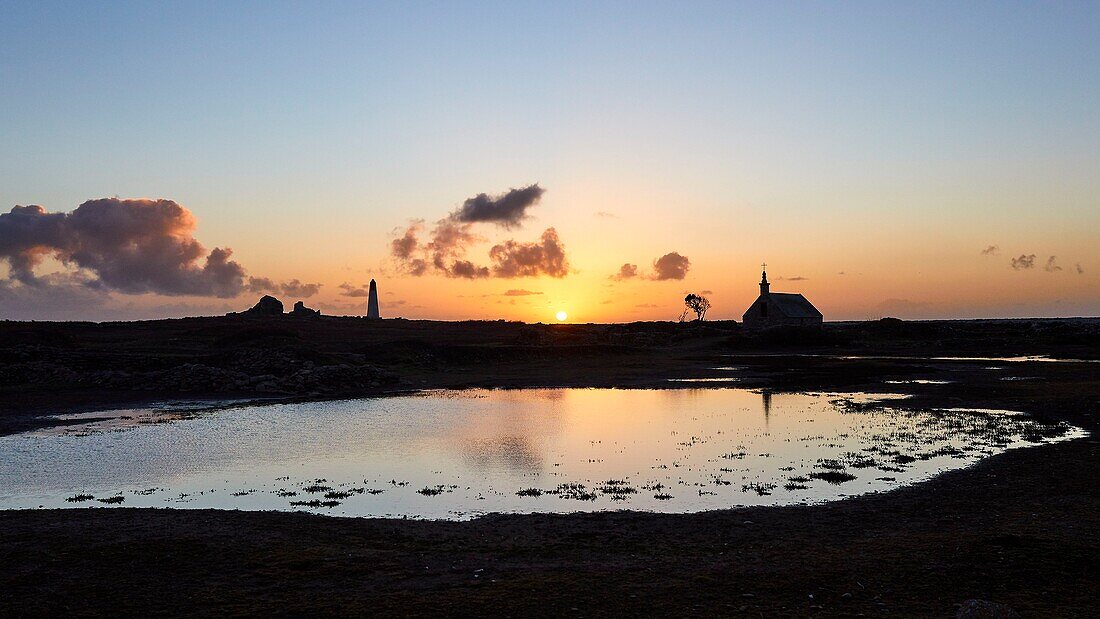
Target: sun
[{"x": 561, "y": 316}]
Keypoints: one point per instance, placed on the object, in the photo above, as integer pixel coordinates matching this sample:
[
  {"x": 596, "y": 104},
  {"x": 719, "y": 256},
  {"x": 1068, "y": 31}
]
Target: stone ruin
[
  {"x": 270, "y": 306},
  {"x": 300, "y": 309}
]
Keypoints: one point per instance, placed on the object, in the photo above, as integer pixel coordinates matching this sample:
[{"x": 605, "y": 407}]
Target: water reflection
[
  {"x": 453, "y": 454},
  {"x": 511, "y": 452}
]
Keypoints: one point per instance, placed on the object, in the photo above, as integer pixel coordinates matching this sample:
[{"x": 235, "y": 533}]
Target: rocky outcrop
[
  {"x": 301, "y": 311},
  {"x": 266, "y": 306}
]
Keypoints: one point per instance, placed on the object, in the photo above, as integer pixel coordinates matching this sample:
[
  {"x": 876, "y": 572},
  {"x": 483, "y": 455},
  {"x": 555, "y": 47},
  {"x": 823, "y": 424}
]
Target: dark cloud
[
  {"x": 295, "y": 288},
  {"x": 467, "y": 270},
  {"x": 707, "y": 292},
  {"x": 451, "y": 237},
  {"x": 350, "y": 290},
  {"x": 991, "y": 250},
  {"x": 507, "y": 210},
  {"x": 129, "y": 246},
  {"x": 796, "y": 278},
  {"x": 671, "y": 266},
  {"x": 519, "y": 292},
  {"x": 1025, "y": 261},
  {"x": 1051, "y": 266},
  {"x": 291, "y": 288},
  {"x": 627, "y": 271},
  {"x": 1080, "y": 271},
  {"x": 543, "y": 257},
  {"x": 406, "y": 245}
]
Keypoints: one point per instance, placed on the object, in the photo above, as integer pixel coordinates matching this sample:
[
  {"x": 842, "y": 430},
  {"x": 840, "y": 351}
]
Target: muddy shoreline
[{"x": 1021, "y": 528}]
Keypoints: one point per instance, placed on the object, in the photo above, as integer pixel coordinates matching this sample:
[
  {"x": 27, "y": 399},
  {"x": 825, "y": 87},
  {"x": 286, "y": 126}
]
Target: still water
[{"x": 457, "y": 454}]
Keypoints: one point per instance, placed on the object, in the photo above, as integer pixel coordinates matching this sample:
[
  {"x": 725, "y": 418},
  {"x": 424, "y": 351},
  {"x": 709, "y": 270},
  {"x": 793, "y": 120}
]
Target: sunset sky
[{"x": 918, "y": 160}]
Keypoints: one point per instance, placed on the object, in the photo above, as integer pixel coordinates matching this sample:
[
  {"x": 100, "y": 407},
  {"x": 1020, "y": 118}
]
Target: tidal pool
[{"x": 457, "y": 454}]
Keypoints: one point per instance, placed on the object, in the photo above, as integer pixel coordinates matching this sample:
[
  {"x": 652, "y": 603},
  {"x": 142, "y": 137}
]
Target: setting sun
[{"x": 561, "y": 316}]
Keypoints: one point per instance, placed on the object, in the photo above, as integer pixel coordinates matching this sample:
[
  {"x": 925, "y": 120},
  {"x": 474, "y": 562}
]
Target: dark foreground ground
[{"x": 1021, "y": 529}]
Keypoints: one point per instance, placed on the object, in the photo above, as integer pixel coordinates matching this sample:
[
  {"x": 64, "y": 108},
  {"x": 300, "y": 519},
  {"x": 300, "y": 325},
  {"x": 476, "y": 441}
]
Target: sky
[{"x": 917, "y": 160}]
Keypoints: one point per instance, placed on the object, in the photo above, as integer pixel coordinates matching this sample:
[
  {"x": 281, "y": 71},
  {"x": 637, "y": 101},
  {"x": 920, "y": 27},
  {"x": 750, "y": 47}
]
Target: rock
[
  {"x": 266, "y": 306},
  {"x": 300, "y": 310},
  {"x": 983, "y": 609}
]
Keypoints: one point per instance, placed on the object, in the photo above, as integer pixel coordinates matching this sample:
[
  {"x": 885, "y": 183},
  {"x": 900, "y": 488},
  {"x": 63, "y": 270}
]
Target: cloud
[
  {"x": 605, "y": 215},
  {"x": 443, "y": 253},
  {"x": 129, "y": 246},
  {"x": 1080, "y": 271},
  {"x": 645, "y": 305},
  {"x": 291, "y": 288},
  {"x": 706, "y": 292},
  {"x": 991, "y": 250},
  {"x": 519, "y": 292},
  {"x": 1051, "y": 266},
  {"x": 507, "y": 210},
  {"x": 449, "y": 242},
  {"x": 452, "y": 237},
  {"x": 351, "y": 290},
  {"x": 467, "y": 269},
  {"x": 671, "y": 266},
  {"x": 627, "y": 271},
  {"x": 796, "y": 278},
  {"x": 406, "y": 245},
  {"x": 543, "y": 257},
  {"x": 1025, "y": 261}
]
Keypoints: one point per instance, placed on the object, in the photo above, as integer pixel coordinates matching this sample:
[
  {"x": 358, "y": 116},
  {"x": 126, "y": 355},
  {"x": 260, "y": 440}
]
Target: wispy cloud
[
  {"x": 1023, "y": 262},
  {"x": 627, "y": 271},
  {"x": 351, "y": 290}
]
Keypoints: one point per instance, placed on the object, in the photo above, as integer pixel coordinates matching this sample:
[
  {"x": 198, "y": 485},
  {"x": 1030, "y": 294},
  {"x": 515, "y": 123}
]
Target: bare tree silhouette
[{"x": 698, "y": 304}]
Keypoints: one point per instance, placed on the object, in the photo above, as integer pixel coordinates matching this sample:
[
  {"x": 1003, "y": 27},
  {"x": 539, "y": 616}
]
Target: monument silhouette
[{"x": 372, "y": 301}]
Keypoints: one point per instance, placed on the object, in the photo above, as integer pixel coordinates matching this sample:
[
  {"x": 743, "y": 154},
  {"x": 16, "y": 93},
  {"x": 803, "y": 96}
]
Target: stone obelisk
[{"x": 372, "y": 301}]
